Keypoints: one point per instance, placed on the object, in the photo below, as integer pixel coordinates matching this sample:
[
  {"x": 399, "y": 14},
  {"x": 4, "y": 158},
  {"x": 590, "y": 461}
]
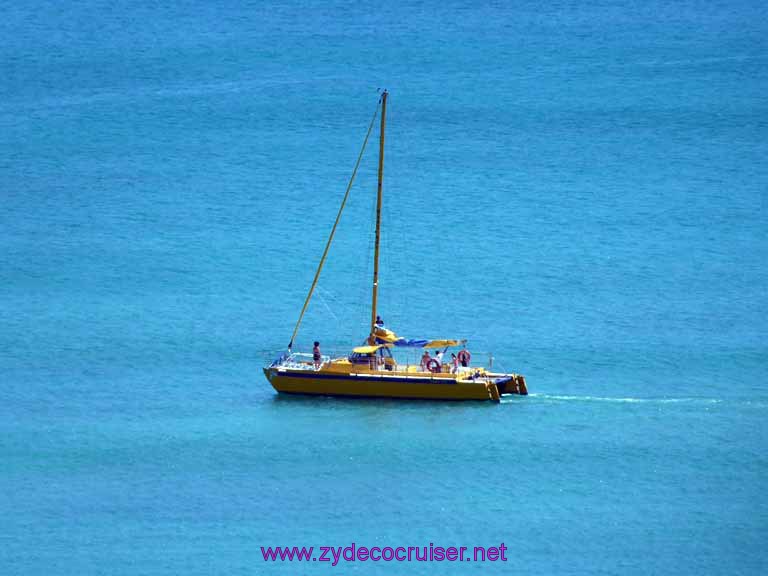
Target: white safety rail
[
  {"x": 299, "y": 361},
  {"x": 405, "y": 358}
]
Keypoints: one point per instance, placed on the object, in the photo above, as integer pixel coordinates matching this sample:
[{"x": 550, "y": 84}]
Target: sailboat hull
[{"x": 382, "y": 385}]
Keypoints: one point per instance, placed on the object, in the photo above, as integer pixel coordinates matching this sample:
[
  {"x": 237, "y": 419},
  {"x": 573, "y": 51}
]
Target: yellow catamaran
[{"x": 372, "y": 370}]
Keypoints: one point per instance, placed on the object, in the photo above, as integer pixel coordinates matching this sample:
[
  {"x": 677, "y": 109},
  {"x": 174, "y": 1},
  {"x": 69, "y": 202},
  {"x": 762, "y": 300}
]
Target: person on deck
[
  {"x": 379, "y": 321},
  {"x": 439, "y": 356},
  {"x": 425, "y": 358},
  {"x": 454, "y": 363},
  {"x": 316, "y": 356}
]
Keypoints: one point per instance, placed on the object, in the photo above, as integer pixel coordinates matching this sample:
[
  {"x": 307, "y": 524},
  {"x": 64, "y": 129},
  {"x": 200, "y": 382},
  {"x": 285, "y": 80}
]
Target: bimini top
[
  {"x": 442, "y": 343},
  {"x": 388, "y": 337}
]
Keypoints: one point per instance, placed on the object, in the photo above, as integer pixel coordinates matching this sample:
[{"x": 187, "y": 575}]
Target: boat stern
[{"x": 510, "y": 384}]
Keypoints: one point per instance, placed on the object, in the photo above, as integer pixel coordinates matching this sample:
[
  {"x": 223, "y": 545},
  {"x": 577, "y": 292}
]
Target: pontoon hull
[{"x": 383, "y": 385}]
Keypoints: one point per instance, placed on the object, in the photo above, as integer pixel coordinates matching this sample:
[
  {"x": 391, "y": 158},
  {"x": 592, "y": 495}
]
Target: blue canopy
[
  {"x": 412, "y": 343},
  {"x": 419, "y": 343}
]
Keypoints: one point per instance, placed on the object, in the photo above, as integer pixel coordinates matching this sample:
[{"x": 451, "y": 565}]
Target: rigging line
[
  {"x": 336, "y": 223},
  {"x": 325, "y": 303}
]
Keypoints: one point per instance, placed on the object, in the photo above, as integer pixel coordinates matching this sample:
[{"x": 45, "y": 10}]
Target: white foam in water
[{"x": 627, "y": 400}]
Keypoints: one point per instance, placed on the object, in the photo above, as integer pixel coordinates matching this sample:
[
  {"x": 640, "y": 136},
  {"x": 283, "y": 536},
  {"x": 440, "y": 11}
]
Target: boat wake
[{"x": 628, "y": 400}]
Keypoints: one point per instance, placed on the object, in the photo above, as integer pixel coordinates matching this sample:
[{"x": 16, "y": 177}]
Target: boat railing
[
  {"x": 299, "y": 361},
  {"x": 407, "y": 363}
]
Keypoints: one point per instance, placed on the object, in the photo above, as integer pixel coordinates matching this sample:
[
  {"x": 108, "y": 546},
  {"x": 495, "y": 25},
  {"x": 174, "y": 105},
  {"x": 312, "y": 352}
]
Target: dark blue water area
[{"x": 577, "y": 188}]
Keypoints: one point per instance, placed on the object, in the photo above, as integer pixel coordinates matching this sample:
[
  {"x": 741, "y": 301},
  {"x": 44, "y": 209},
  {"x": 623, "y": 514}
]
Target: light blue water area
[{"x": 578, "y": 188}]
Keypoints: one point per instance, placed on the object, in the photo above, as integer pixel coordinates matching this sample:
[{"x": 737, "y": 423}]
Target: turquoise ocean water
[{"x": 578, "y": 188}]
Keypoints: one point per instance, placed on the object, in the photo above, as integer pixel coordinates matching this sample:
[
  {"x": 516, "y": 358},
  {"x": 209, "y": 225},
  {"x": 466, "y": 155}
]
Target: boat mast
[{"x": 372, "y": 338}]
